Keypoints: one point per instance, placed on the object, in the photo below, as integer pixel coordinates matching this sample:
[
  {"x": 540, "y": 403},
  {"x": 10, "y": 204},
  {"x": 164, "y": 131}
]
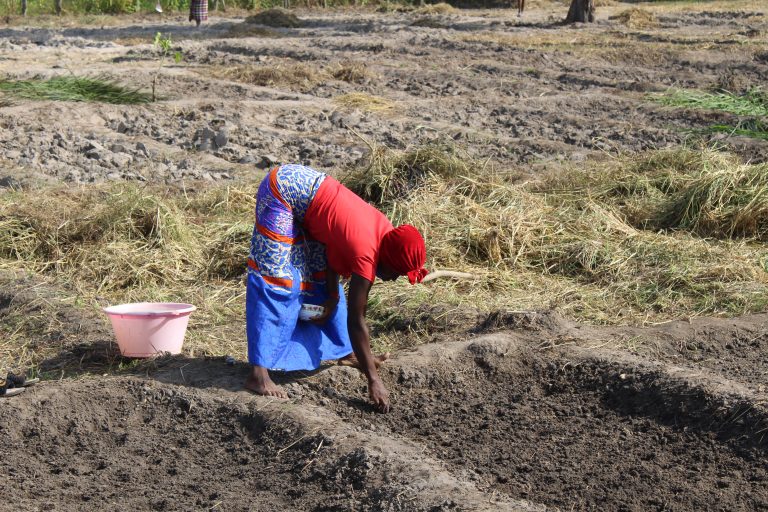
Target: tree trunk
[
  {"x": 57, "y": 4},
  {"x": 23, "y": 7},
  {"x": 581, "y": 11}
]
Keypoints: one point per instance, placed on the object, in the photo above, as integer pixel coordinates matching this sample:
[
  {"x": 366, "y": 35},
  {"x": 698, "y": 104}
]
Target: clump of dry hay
[
  {"x": 350, "y": 71},
  {"x": 363, "y": 101},
  {"x": 477, "y": 221},
  {"x": 391, "y": 175},
  {"x": 705, "y": 192},
  {"x": 122, "y": 224},
  {"x": 277, "y": 18},
  {"x": 301, "y": 76},
  {"x": 438, "y": 8},
  {"x": 124, "y": 243},
  {"x": 428, "y": 22},
  {"x": 119, "y": 237},
  {"x": 636, "y": 18}
]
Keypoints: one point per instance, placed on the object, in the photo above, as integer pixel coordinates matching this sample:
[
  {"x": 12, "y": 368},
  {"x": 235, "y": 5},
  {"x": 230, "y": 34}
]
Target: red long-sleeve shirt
[{"x": 350, "y": 228}]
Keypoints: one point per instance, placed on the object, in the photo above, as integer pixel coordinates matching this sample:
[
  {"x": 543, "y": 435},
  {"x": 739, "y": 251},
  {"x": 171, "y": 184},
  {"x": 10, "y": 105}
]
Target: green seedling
[{"x": 164, "y": 45}]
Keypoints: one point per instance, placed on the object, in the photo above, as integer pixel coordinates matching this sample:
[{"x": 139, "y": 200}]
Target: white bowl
[{"x": 310, "y": 312}]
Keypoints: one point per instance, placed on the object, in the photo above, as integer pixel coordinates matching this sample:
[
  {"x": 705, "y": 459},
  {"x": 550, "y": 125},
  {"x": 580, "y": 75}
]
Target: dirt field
[{"x": 529, "y": 412}]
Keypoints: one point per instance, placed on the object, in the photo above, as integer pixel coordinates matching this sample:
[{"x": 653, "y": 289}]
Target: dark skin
[
  {"x": 359, "y": 288},
  {"x": 362, "y": 358}
]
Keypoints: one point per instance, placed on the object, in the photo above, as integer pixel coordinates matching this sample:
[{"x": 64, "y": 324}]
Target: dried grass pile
[
  {"x": 303, "y": 77},
  {"x": 275, "y": 18},
  {"x": 648, "y": 256},
  {"x": 350, "y": 72},
  {"x": 668, "y": 234},
  {"x": 438, "y": 8},
  {"x": 364, "y": 102},
  {"x": 636, "y": 18},
  {"x": 125, "y": 243},
  {"x": 704, "y": 192},
  {"x": 296, "y": 75},
  {"x": 119, "y": 237}
]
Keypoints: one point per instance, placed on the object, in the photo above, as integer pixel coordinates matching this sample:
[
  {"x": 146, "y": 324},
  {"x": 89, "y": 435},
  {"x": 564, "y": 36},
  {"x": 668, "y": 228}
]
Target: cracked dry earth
[
  {"x": 528, "y": 95},
  {"x": 542, "y": 415}
]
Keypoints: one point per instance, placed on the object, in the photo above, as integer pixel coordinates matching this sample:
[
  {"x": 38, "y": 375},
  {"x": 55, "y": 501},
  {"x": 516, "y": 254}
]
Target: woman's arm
[
  {"x": 332, "y": 283},
  {"x": 332, "y": 289},
  {"x": 359, "y": 288}
]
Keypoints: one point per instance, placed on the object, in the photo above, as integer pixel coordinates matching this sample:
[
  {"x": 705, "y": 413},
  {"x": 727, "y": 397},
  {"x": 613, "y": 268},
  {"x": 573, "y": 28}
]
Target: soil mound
[
  {"x": 428, "y": 22},
  {"x": 572, "y": 431},
  {"x": 276, "y": 18},
  {"x": 438, "y": 8},
  {"x": 128, "y": 444},
  {"x": 534, "y": 417}
]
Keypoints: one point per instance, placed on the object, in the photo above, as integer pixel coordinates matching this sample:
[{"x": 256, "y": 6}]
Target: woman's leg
[
  {"x": 260, "y": 321},
  {"x": 272, "y": 295},
  {"x": 351, "y": 360},
  {"x": 261, "y": 383}
]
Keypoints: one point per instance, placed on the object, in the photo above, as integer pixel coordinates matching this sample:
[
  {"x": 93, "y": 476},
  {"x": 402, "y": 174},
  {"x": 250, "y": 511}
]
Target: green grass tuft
[
  {"x": 74, "y": 88},
  {"x": 753, "y": 103},
  {"x": 753, "y": 128}
]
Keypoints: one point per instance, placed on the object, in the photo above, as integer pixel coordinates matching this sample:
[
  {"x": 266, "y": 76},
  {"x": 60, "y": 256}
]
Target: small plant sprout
[{"x": 164, "y": 45}]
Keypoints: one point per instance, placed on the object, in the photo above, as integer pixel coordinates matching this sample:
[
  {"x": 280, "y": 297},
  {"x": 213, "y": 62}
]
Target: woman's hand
[
  {"x": 361, "y": 343},
  {"x": 379, "y": 395},
  {"x": 329, "y": 306},
  {"x": 332, "y": 289}
]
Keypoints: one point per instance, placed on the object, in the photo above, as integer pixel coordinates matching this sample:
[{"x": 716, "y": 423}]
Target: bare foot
[
  {"x": 260, "y": 383},
  {"x": 351, "y": 360}
]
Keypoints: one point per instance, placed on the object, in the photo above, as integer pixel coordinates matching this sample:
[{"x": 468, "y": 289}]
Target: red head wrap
[{"x": 403, "y": 250}]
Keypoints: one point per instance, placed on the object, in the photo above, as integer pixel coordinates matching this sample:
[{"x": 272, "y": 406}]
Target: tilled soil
[
  {"x": 581, "y": 434},
  {"x": 525, "y": 94},
  {"x": 507, "y": 421},
  {"x": 132, "y": 445}
]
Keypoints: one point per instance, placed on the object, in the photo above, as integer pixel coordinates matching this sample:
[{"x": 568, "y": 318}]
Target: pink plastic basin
[{"x": 145, "y": 329}]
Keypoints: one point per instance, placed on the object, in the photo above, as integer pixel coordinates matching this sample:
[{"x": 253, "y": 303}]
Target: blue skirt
[{"x": 286, "y": 270}]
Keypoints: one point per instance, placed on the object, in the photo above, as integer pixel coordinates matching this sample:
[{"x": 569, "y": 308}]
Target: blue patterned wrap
[{"x": 283, "y": 274}]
